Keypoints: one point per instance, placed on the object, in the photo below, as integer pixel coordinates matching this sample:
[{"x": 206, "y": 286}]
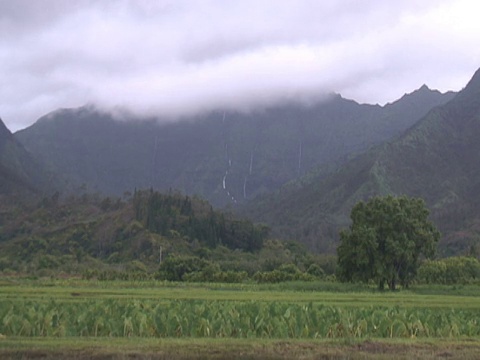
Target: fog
[{"x": 176, "y": 58}]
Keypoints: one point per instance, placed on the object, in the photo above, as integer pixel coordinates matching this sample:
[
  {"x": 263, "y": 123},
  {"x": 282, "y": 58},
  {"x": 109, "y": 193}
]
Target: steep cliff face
[
  {"x": 20, "y": 173},
  {"x": 227, "y": 158},
  {"x": 5, "y": 134},
  {"x": 438, "y": 159}
]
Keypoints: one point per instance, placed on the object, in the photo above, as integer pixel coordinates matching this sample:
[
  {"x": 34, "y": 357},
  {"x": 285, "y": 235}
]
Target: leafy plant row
[{"x": 217, "y": 319}]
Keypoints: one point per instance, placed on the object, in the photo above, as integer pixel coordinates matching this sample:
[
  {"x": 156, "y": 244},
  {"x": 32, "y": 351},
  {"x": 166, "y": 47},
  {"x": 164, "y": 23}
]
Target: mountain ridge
[
  {"x": 434, "y": 159},
  {"x": 225, "y": 157}
]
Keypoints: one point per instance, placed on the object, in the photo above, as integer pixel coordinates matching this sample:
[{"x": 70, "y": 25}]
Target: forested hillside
[
  {"x": 437, "y": 160},
  {"x": 225, "y": 157},
  {"x": 140, "y": 234}
]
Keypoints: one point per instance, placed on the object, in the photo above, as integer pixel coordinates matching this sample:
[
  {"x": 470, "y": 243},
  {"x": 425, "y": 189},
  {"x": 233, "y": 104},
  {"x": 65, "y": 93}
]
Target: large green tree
[{"x": 387, "y": 237}]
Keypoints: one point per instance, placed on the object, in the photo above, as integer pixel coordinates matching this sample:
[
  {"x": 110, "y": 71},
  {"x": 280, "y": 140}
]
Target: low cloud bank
[{"x": 178, "y": 58}]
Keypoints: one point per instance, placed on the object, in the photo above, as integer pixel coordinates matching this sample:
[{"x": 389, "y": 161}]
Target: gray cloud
[{"x": 174, "y": 58}]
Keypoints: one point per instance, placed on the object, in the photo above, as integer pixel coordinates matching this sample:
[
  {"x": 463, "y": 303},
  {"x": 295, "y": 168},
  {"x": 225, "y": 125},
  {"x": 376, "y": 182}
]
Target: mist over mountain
[
  {"x": 225, "y": 157},
  {"x": 437, "y": 159}
]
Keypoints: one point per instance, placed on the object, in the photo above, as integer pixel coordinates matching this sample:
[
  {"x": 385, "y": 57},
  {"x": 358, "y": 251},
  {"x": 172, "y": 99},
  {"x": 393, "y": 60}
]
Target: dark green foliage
[
  {"x": 164, "y": 214},
  {"x": 194, "y": 269},
  {"x": 316, "y": 270},
  {"x": 385, "y": 241},
  {"x": 286, "y": 272},
  {"x": 108, "y": 238},
  {"x": 175, "y": 268}
]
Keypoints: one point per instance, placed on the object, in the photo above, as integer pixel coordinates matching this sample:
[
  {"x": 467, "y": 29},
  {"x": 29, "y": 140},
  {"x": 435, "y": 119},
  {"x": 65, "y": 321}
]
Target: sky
[{"x": 174, "y": 59}]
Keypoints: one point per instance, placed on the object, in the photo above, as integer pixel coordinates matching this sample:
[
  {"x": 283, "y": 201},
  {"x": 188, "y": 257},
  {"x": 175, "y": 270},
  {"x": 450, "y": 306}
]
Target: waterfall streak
[
  {"x": 229, "y": 164},
  {"x": 245, "y": 187},
  {"x": 300, "y": 158}
]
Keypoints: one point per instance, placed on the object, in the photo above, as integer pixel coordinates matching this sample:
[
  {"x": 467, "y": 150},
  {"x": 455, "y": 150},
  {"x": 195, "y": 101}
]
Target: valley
[
  {"x": 239, "y": 180},
  {"x": 240, "y": 213}
]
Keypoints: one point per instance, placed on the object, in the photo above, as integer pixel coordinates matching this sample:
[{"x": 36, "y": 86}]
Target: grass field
[{"x": 156, "y": 320}]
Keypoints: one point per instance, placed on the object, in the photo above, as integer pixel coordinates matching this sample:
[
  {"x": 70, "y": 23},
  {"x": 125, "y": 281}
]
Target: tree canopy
[{"x": 385, "y": 241}]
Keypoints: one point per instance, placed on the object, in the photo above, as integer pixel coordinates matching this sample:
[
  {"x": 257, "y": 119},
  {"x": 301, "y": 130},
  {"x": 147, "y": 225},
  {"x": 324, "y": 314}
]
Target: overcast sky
[{"x": 176, "y": 58}]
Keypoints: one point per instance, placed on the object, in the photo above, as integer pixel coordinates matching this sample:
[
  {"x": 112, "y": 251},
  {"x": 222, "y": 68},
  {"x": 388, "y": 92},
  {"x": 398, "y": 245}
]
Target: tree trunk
[
  {"x": 392, "y": 284},
  {"x": 381, "y": 285}
]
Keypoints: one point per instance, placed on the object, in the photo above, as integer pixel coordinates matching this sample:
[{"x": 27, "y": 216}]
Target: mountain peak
[
  {"x": 424, "y": 87},
  {"x": 423, "y": 95},
  {"x": 423, "y": 90},
  {"x": 474, "y": 81}
]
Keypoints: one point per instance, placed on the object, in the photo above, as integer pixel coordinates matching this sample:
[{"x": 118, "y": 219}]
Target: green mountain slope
[
  {"x": 437, "y": 159},
  {"x": 225, "y": 157},
  {"x": 112, "y": 237},
  {"x": 19, "y": 172}
]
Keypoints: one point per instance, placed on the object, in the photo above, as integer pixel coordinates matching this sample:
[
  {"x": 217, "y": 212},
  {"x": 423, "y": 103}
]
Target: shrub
[{"x": 453, "y": 270}]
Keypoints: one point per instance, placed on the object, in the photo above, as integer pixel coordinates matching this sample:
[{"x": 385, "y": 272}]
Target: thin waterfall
[
  {"x": 229, "y": 163},
  {"x": 300, "y": 148}
]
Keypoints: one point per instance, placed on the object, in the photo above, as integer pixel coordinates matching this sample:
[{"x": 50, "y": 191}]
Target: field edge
[{"x": 188, "y": 348}]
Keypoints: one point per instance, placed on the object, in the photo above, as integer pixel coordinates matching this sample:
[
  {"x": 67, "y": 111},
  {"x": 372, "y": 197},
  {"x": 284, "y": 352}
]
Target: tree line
[{"x": 196, "y": 220}]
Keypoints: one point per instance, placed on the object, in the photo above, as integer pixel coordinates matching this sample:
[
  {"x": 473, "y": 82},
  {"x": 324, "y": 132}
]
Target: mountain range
[
  {"x": 437, "y": 159},
  {"x": 225, "y": 157},
  {"x": 297, "y": 168}
]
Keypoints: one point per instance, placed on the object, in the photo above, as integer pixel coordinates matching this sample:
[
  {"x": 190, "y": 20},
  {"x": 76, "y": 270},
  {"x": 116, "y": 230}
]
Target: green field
[{"x": 62, "y": 318}]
